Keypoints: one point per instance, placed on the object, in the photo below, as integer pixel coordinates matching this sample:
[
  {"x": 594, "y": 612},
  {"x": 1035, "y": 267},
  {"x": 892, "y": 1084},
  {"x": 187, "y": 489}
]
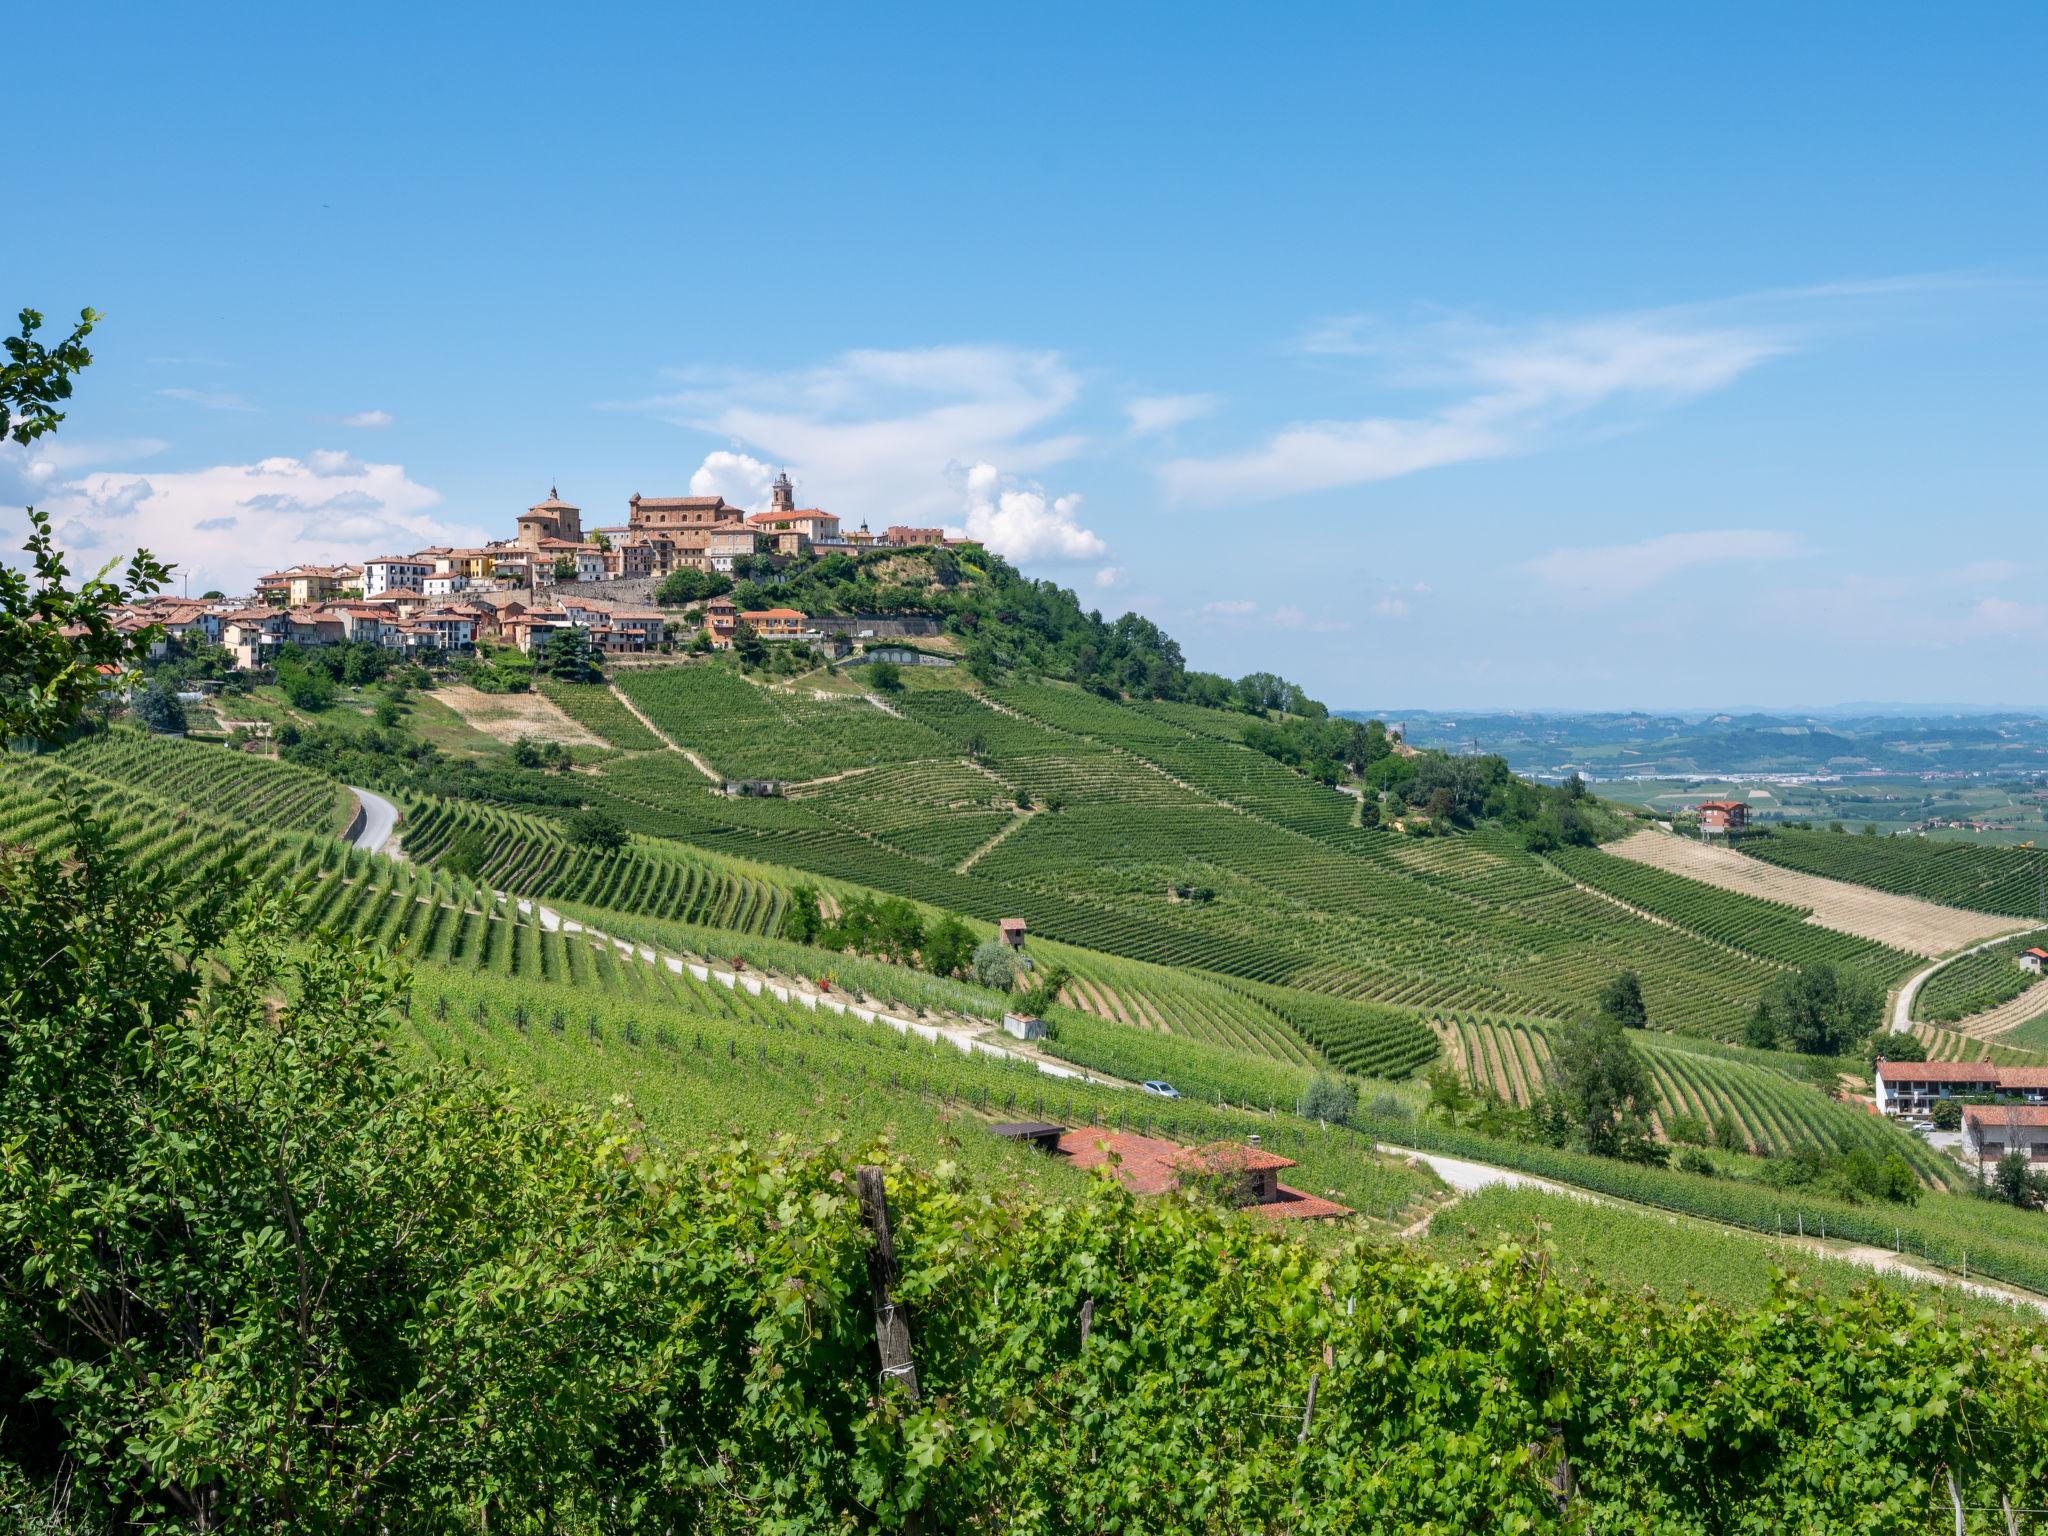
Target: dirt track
[{"x": 1904, "y": 922}]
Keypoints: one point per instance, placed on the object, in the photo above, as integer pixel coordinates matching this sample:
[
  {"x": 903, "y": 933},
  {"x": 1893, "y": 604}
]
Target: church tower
[{"x": 783, "y": 495}]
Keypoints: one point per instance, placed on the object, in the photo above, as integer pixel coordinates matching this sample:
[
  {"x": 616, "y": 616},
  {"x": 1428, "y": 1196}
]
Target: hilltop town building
[{"x": 551, "y": 519}]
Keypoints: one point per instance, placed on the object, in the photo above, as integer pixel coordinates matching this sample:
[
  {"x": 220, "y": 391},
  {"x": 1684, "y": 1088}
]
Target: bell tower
[{"x": 782, "y": 498}]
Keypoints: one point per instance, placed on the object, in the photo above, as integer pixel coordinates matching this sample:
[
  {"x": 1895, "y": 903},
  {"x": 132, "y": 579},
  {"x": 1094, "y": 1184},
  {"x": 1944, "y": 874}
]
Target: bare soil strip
[
  {"x": 1904, "y": 922},
  {"x": 509, "y": 716}
]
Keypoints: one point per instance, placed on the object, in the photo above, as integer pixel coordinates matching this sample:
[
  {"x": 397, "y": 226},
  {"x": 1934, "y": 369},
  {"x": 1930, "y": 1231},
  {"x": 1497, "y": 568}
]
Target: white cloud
[
  {"x": 1020, "y": 522},
  {"x": 1231, "y": 608},
  {"x": 208, "y": 399},
  {"x": 1512, "y": 390},
  {"x": 1110, "y": 576},
  {"x": 739, "y": 478},
  {"x": 367, "y": 419},
  {"x": 1620, "y": 570},
  {"x": 885, "y": 435},
  {"x": 1149, "y": 414},
  {"x": 226, "y": 524},
  {"x": 2001, "y": 618},
  {"x": 38, "y": 463},
  {"x": 1391, "y": 606}
]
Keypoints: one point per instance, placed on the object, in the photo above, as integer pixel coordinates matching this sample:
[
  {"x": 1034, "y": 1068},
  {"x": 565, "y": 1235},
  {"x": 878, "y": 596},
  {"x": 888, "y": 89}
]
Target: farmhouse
[
  {"x": 1914, "y": 1087},
  {"x": 2034, "y": 960},
  {"x": 1990, "y": 1131},
  {"x": 1147, "y": 1166},
  {"x": 1011, "y": 931},
  {"x": 774, "y": 623},
  {"x": 1718, "y": 818}
]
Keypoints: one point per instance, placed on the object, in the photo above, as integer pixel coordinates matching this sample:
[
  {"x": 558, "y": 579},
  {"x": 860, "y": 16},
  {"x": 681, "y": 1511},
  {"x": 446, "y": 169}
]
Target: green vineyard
[
  {"x": 1771, "y": 1111},
  {"x": 2013, "y": 881},
  {"x": 1767, "y": 929},
  {"x": 1978, "y": 981},
  {"x": 598, "y": 710}
]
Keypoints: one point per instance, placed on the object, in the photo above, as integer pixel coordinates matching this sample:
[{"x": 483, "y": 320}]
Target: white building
[{"x": 395, "y": 573}]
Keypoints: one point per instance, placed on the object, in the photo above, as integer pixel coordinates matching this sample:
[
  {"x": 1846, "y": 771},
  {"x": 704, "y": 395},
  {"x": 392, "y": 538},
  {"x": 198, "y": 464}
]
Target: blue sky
[{"x": 1587, "y": 356}]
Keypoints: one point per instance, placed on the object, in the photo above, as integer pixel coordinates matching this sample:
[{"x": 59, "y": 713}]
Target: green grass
[{"x": 1631, "y": 1250}]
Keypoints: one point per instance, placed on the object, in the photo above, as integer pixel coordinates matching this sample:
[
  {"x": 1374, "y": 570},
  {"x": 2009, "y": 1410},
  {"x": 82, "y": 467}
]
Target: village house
[
  {"x": 443, "y": 584},
  {"x": 901, "y": 537},
  {"x": 253, "y": 636},
  {"x": 1990, "y": 1131},
  {"x": 1148, "y": 1166},
  {"x": 1719, "y": 818},
  {"x": 774, "y": 623},
  {"x": 304, "y": 584},
  {"x": 2034, "y": 960},
  {"x": 395, "y": 573},
  {"x": 721, "y": 614},
  {"x": 1913, "y": 1088},
  {"x": 441, "y": 629}
]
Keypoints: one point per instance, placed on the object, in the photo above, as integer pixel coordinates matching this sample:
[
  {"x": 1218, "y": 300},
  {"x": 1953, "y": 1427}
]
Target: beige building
[{"x": 551, "y": 519}]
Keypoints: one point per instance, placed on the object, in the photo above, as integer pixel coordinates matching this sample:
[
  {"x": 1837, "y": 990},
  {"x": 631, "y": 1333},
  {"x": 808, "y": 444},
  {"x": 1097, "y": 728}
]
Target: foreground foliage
[{"x": 259, "y": 1275}]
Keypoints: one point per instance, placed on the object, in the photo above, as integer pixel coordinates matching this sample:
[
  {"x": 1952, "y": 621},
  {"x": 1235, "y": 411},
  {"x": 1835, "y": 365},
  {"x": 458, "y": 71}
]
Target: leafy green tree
[
  {"x": 802, "y": 919},
  {"x": 1728, "y": 1133},
  {"x": 1621, "y": 1001},
  {"x": 1760, "y": 1029},
  {"x": 526, "y": 753},
  {"x": 1822, "y": 1009},
  {"x": 748, "y": 645},
  {"x": 160, "y": 710},
  {"x": 567, "y": 656},
  {"x": 2014, "y": 1180},
  {"x": 1044, "y": 991},
  {"x": 55, "y": 640},
  {"x": 1448, "y": 1094},
  {"x": 1602, "y": 1083},
  {"x": 303, "y": 686},
  {"x": 1328, "y": 1099},
  {"x": 596, "y": 827},
  {"x": 884, "y": 676},
  {"x": 682, "y": 587},
  {"x": 1947, "y": 1115},
  {"x": 948, "y": 947},
  {"x": 994, "y": 965},
  {"x": 388, "y": 714}
]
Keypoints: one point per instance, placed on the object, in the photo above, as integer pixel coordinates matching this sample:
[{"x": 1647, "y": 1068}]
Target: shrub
[
  {"x": 994, "y": 966},
  {"x": 596, "y": 827},
  {"x": 1328, "y": 1099},
  {"x": 159, "y": 709}
]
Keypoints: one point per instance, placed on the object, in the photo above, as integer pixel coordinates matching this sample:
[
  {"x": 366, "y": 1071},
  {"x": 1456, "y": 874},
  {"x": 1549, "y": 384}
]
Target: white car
[{"x": 1160, "y": 1090}]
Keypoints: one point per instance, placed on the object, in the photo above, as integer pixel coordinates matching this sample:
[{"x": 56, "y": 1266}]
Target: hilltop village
[{"x": 553, "y": 575}]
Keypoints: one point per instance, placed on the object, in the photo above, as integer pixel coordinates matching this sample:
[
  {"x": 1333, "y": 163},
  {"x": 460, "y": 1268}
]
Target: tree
[
  {"x": 1038, "y": 998},
  {"x": 1622, "y": 1002},
  {"x": 1602, "y": 1084},
  {"x": 160, "y": 710},
  {"x": 948, "y": 947},
  {"x": 388, "y": 715},
  {"x": 1448, "y": 1095},
  {"x": 1822, "y": 1009},
  {"x": 596, "y": 827},
  {"x": 54, "y": 641},
  {"x": 885, "y": 676},
  {"x": 1759, "y": 1030},
  {"x": 304, "y": 687},
  {"x": 565, "y": 568},
  {"x": 994, "y": 965},
  {"x": 748, "y": 645},
  {"x": 802, "y": 920},
  {"x": 1947, "y": 1115},
  {"x": 1329, "y": 1099},
  {"x": 2013, "y": 1180},
  {"x": 567, "y": 656},
  {"x": 526, "y": 752},
  {"x": 685, "y": 586}
]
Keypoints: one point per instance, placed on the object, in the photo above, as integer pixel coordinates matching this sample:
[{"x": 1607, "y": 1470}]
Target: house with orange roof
[{"x": 1247, "y": 1173}]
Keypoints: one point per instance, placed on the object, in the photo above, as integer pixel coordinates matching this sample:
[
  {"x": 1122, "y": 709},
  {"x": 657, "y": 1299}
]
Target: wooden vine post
[{"x": 892, "y": 1332}]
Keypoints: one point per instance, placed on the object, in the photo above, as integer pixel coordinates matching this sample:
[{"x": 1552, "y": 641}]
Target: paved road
[
  {"x": 380, "y": 820},
  {"x": 1902, "y": 1010}
]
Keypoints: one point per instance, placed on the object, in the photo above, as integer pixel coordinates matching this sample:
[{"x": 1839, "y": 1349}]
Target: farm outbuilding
[
  {"x": 1011, "y": 930},
  {"x": 1023, "y": 1026},
  {"x": 2034, "y": 960}
]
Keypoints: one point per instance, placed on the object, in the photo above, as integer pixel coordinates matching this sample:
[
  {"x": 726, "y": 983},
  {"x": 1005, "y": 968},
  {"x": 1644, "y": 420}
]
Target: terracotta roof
[
  {"x": 679, "y": 502},
  {"x": 1936, "y": 1071},
  {"x": 772, "y": 613},
  {"x": 1294, "y": 1205},
  {"x": 1995, "y": 1115},
  {"x": 2037, "y": 951},
  {"x": 1145, "y": 1166},
  {"x": 1723, "y": 805},
  {"x": 1231, "y": 1154}
]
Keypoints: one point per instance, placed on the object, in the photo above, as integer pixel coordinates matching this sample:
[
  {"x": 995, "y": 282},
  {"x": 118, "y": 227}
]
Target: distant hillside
[{"x": 1608, "y": 745}]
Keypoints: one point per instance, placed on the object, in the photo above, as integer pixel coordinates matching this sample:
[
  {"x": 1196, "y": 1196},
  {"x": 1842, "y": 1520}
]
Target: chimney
[{"x": 1253, "y": 1139}]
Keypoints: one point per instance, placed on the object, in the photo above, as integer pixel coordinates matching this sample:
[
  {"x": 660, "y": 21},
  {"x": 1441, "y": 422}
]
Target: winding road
[
  {"x": 1902, "y": 1010},
  {"x": 380, "y": 820}
]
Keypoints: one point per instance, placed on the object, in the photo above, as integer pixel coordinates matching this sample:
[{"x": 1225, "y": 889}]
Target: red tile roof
[{"x": 1995, "y": 1115}]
